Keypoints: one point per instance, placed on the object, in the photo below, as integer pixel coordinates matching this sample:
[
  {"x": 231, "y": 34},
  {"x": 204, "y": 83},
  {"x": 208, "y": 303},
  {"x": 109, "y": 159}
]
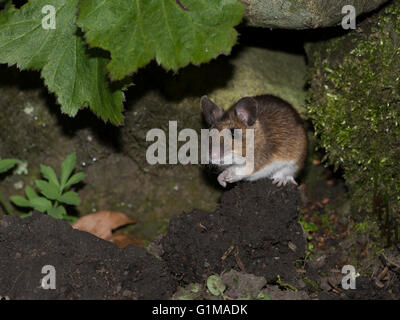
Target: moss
[
  {"x": 354, "y": 104},
  {"x": 312, "y": 286}
]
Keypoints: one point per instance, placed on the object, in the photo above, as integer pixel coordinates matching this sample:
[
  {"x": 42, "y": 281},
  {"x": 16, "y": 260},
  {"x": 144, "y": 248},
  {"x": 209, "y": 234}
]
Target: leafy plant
[
  {"x": 55, "y": 192},
  {"x": 174, "y": 33},
  {"x": 308, "y": 227},
  {"x": 215, "y": 285},
  {"x": 5, "y": 165}
]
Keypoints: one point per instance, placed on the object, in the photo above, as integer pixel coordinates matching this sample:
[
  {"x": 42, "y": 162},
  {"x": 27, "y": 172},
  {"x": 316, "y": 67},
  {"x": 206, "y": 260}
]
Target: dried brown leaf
[{"x": 102, "y": 223}]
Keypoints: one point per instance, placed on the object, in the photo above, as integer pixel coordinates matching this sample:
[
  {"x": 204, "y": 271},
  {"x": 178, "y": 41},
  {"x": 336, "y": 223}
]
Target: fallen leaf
[
  {"x": 122, "y": 240},
  {"x": 325, "y": 200},
  {"x": 102, "y": 223}
]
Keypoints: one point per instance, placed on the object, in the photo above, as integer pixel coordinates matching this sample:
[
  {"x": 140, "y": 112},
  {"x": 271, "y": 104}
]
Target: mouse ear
[
  {"x": 246, "y": 110},
  {"x": 212, "y": 113}
]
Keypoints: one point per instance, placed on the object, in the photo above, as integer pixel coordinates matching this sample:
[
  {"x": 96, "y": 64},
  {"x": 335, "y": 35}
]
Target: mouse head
[{"x": 231, "y": 125}]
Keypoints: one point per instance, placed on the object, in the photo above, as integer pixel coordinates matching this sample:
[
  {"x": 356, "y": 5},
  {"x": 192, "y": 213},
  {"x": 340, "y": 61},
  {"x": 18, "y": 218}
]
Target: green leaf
[
  {"x": 67, "y": 167},
  {"x": 30, "y": 193},
  {"x": 7, "y": 164},
  {"x": 76, "y": 75},
  {"x": 26, "y": 215},
  {"x": 77, "y": 177},
  {"x": 49, "y": 174},
  {"x": 70, "y": 198},
  {"x": 263, "y": 296},
  {"x": 41, "y": 204},
  {"x": 175, "y": 33},
  {"x": 48, "y": 189},
  {"x": 70, "y": 219},
  {"x": 57, "y": 212},
  {"x": 215, "y": 285},
  {"x": 20, "y": 201}
]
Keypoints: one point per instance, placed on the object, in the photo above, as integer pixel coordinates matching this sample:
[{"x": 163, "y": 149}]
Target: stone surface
[{"x": 302, "y": 14}]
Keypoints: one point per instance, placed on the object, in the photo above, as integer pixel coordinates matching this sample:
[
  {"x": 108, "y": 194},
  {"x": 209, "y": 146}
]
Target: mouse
[{"x": 279, "y": 139}]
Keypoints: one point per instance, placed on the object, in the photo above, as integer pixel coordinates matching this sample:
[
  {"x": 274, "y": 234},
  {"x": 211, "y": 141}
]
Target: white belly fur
[{"x": 276, "y": 170}]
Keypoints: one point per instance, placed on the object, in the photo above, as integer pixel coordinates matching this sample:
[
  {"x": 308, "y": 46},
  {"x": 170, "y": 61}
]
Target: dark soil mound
[
  {"x": 255, "y": 230},
  {"x": 86, "y": 267}
]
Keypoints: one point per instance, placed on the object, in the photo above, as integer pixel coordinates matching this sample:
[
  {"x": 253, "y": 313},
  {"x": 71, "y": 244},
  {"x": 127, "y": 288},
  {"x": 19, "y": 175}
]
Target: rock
[
  {"x": 344, "y": 91},
  {"x": 302, "y": 14},
  {"x": 242, "y": 285},
  {"x": 250, "y": 71}
]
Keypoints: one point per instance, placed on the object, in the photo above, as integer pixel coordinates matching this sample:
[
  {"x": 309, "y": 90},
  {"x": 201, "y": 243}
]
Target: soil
[
  {"x": 336, "y": 243},
  {"x": 255, "y": 230},
  {"x": 253, "y": 241},
  {"x": 86, "y": 267}
]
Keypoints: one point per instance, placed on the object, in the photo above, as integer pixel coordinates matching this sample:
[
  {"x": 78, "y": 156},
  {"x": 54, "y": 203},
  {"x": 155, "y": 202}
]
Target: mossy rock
[
  {"x": 355, "y": 107},
  {"x": 302, "y": 14},
  {"x": 258, "y": 71},
  {"x": 249, "y": 71}
]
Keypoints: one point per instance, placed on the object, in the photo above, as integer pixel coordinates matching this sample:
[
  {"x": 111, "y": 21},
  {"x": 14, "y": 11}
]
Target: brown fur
[{"x": 279, "y": 131}]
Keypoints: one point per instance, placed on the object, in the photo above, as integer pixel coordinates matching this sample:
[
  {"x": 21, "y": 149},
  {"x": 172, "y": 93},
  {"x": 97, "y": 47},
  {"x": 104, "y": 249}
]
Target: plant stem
[{"x": 5, "y": 205}]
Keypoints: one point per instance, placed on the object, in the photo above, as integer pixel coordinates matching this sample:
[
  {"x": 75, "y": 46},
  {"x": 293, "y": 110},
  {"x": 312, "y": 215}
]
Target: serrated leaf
[
  {"x": 67, "y": 166},
  {"x": 41, "y": 204},
  {"x": 20, "y": 201},
  {"x": 77, "y": 177},
  {"x": 7, "y": 164},
  {"x": 76, "y": 75},
  {"x": 30, "y": 193},
  {"x": 70, "y": 198},
  {"x": 48, "y": 189},
  {"x": 175, "y": 33},
  {"x": 49, "y": 174}
]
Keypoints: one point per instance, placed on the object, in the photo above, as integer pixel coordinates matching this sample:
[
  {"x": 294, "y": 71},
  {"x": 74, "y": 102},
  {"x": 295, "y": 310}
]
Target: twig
[
  {"x": 227, "y": 252},
  {"x": 238, "y": 261},
  {"x": 334, "y": 287}
]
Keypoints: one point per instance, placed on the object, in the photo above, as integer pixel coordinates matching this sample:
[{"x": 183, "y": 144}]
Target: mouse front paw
[
  {"x": 227, "y": 176},
  {"x": 283, "y": 181}
]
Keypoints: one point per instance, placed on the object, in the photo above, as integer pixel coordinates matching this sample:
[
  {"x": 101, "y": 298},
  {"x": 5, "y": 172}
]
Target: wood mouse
[{"x": 280, "y": 140}]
